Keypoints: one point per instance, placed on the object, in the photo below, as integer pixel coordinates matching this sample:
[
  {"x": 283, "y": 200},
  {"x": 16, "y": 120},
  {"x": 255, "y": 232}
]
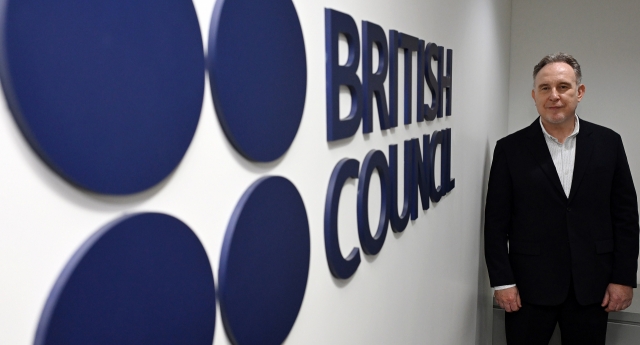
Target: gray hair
[{"x": 559, "y": 57}]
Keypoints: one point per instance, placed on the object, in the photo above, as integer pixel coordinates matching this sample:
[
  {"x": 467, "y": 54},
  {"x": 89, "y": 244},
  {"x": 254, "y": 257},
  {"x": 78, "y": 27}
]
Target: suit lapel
[
  {"x": 540, "y": 151},
  {"x": 584, "y": 149}
]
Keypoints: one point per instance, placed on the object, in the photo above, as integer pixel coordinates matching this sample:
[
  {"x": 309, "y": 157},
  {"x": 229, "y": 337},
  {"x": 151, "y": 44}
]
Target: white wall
[
  {"x": 423, "y": 286},
  {"x": 604, "y": 37}
]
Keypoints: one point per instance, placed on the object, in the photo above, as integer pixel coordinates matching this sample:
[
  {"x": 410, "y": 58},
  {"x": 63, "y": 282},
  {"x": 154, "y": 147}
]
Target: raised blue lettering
[{"x": 337, "y": 23}]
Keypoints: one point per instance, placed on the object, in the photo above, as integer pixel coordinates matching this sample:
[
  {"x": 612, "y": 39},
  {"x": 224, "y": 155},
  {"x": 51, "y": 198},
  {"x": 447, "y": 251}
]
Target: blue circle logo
[
  {"x": 108, "y": 93},
  {"x": 258, "y": 74},
  {"x": 264, "y": 264},
  {"x": 143, "y": 279}
]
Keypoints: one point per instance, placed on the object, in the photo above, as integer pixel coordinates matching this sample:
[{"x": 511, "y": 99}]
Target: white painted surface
[{"x": 423, "y": 286}]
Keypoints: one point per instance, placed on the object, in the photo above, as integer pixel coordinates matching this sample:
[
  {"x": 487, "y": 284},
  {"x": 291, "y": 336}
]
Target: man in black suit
[{"x": 561, "y": 218}]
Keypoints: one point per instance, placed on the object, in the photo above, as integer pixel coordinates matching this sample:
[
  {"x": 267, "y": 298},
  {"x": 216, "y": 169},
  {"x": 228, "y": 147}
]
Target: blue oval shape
[
  {"x": 142, "y": 279},
  {"x": 108, "y": 93},
  {"x": 264, "y": 263},
  {"x": 258, "y": 74}
]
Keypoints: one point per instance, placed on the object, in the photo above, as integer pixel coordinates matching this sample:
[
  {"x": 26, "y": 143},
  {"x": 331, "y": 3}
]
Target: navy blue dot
[
  {"x": 264, "y": 263},
  {"x": 143, "y": 279},
  {"x": 258, "y": 74},
  {"x": 108, "y": 93}
]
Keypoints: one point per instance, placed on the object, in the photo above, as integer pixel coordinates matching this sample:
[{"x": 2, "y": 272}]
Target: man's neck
[{"x": 560, "y": 131}]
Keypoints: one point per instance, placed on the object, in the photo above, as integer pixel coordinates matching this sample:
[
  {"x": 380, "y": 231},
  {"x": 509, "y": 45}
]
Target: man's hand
[
  {"x": 508, "y": 299},
  {"x": 617, "y": 297}
]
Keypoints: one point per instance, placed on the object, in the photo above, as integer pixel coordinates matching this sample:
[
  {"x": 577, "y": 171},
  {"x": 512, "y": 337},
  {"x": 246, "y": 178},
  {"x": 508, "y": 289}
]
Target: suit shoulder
[
  {"x": 514, "y": 138},
  {"x": 602, "y": 131}
]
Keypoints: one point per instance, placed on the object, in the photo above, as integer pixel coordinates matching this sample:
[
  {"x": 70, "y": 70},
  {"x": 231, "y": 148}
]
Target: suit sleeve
[
  {"x": 498, "y": 219},
  {"x": 624, "y": 215}
]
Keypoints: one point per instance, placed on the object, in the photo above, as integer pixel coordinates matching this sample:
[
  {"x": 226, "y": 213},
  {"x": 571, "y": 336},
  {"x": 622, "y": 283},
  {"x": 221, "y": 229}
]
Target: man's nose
[{"x": 554, "y": 95}]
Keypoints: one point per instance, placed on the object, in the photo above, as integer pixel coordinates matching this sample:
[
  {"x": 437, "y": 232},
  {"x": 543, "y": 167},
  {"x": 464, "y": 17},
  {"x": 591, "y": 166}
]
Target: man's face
[{"x": 556, "y": 93}]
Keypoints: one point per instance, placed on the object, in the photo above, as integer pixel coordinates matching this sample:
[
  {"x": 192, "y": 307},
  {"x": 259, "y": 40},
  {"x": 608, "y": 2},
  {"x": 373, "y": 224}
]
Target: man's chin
[{"x": 557, "y": 119}]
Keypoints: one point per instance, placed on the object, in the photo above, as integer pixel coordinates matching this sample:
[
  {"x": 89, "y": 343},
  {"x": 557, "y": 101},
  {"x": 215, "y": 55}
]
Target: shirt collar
[{"x": 576, "y": 130}]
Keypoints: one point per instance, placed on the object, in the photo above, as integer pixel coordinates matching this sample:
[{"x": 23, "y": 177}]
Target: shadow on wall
[{"x": 484, "y": 318}]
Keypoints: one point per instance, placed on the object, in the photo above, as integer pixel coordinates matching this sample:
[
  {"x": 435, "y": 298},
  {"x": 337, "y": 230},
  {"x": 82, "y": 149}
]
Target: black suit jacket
[{"x": 591, "y": 236}]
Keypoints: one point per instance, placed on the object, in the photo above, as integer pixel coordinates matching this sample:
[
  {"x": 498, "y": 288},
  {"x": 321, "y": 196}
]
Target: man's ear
[
  {"x": 581, "y": 90},
  {"x": 533, "y": 95}
]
